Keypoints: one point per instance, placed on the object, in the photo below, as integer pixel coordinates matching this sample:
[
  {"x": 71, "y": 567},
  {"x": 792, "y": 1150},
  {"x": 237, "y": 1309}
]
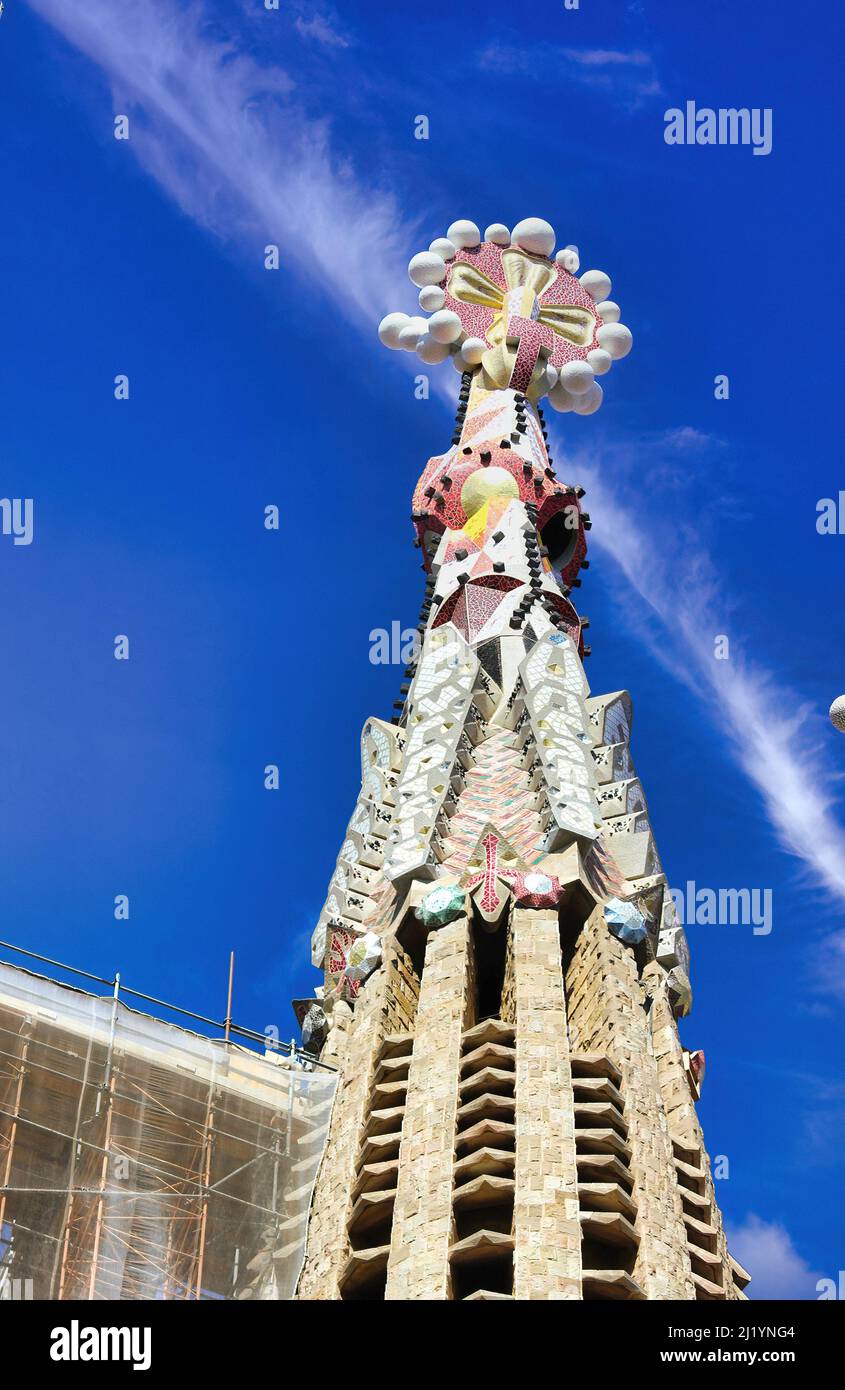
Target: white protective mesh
[{"x": 142, "y": 1161}]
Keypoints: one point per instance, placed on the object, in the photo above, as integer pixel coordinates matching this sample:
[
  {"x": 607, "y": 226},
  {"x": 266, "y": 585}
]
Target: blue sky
[{"x": 251, "y": 387}]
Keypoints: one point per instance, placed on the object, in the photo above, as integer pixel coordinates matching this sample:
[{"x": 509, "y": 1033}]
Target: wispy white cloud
[
  {"x": 777, "y": 740},
  {"x": 777, "y": 1270},
  {"x": 627, "y": 76},
  {"x": 608, "y": 57},
  {"x": 225, "y": 137},
  {"x": 688, "y": 440},
  {"x": 321, "y": 31}
]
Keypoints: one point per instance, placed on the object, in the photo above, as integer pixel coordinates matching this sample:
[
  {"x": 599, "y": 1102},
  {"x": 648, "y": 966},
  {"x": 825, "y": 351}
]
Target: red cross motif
[
  {"x": 490, "y": 898},
  {"x": 524, "y": 892},
  {"x": 528, "y": 336},
  {"x": 340, "y": 944}
]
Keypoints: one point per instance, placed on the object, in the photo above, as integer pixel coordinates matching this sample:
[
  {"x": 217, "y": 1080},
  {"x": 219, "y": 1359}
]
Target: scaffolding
[{"x": 139, "y": 1160}]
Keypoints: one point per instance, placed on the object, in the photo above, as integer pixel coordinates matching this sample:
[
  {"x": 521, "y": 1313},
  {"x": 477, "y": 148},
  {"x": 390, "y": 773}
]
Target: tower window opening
[
  {"x": 559, "y": 538},
  {"x": 490, "y": 956}
]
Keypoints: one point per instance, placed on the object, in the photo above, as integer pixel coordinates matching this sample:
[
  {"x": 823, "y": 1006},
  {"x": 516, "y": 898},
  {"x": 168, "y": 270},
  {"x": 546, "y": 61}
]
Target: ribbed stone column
[
  {"x": 680, "y": 1110},
  {"x": 612, "y": 998},
  {"x": 352, "y": 1047},
  {"x": 418, "y": 1267},
  {"x": 547, "y": 1234}
]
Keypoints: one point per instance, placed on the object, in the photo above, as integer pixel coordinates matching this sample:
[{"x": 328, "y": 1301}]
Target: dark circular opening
[{"x": 560, "y": 535}]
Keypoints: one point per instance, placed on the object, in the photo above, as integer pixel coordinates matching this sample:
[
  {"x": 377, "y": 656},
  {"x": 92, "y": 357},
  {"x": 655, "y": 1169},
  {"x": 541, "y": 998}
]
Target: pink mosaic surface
[
  {"x": 564, "y": 291},
  {"x": 444, "y": 512}
]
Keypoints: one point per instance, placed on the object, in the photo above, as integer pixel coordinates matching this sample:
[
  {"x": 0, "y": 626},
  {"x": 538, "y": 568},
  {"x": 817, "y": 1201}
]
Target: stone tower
[{"x": 503, "y": 969}]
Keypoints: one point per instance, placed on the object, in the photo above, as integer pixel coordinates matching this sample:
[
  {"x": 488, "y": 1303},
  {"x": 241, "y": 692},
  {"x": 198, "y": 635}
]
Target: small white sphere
[
  {"x": 472, "y": 351},
  {"x": 596, "y": 283},
  {"x": 410, "y": 335},
  {"x": 616, "y": 339},
  {"x": 600, "y": 361},
  {"x": 534, "y": 235},
  {"x": 576, "y": 377},
  {"x": 431, "y": 298},
  {"x": 388, "y": 329},
  {"x": 560, "y": 398},
  {"x": 498, "y": 233},
  {"x": 430, "y": 350},
  {"x": 837, "y": 713},
  {"x": 464, "y": 234},
  {"x": 551, "y": 376},
  {"x": 426, "y": 268},
  {"x": 442, "y": 246},
  {"x": 445, "y": 326},
  {"x": 589, "y": 403},
  {"x": 569, "y": 259},
  {"x": 458, "y": 361},
  {"x": 608, "y": 312}
]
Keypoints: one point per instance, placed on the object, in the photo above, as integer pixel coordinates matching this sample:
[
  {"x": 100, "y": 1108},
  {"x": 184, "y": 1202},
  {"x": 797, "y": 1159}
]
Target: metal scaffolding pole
[{"x": 16, "y": 1111}]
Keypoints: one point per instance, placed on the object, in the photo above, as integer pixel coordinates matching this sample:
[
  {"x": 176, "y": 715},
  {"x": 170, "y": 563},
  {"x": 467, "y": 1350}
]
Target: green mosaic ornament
[{"x": 443, "y": 904}]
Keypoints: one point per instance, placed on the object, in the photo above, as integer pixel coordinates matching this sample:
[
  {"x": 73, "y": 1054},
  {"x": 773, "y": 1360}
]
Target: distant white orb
[
  {"x": 442, "y": 246},
  {"x": 534, "y": 235},
  {"x": 608, "y": 312},
  {"x": 464, "y": 234},
  {"x": 570, "y": 260},
  {"x": 837, "y": 714},
  {"x": 410, "y": 335},
  {"x": 616, "y": 339},
  {"x": 498, "y": 233},
  {"x": 560, "y": 399},
  {"x": 430, "y": 350},
  {"x": 576, "y": 377},
  {"x": 600, "y": 361},
  {"x": 445, "y": 326},
  {"x": 431, "y": 298},
  {"x": 389, "y": 328},
  {"x": 472, "y": 351},
  {"x": 589, "y": 403},
  {"x": 596, "y": 283},
  {"x": 426, "y": 268}
]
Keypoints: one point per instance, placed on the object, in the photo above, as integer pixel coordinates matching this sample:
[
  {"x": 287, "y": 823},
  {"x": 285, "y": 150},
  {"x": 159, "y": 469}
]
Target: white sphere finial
[
  {"x": 534, "y": 235},
  {"x": 837, "y": 713}
]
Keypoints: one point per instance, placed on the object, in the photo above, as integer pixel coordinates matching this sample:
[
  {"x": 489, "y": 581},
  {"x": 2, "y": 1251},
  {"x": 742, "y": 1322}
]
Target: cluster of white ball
[
  {"x": 576, "y": 387},
  {"x": 441, "y": 335}
]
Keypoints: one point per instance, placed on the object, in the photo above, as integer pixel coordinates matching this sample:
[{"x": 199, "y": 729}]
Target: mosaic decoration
[
  {"x": 314, "y": 1029},
  {"x": 513, "y": 312},
  {"x": 625, "y": 921},
  {"x": 696, "y": 1064},
  {"x": 350, "y": 902},
  {"x": 443, "y": 904},
  {"x": 628, "y": 836},
  {"x": 498, "y": 760},
  {"x": 680, "y": 991},
  {"x": 555, "y": 691},
  {"x": 496, "y": 872},
  {"x": 438, "y": 704},
  {"x": 362, "y": 957},
  {"x": 672, "y": 949}
]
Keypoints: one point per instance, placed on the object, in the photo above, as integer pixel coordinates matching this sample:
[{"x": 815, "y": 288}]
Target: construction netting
[{"x": 142, "y": 1161}]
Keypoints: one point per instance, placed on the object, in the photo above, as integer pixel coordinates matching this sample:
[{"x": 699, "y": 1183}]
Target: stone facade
[
  {"x": 547, "y": 1233},
  {"x": 502, "y": 968}
]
